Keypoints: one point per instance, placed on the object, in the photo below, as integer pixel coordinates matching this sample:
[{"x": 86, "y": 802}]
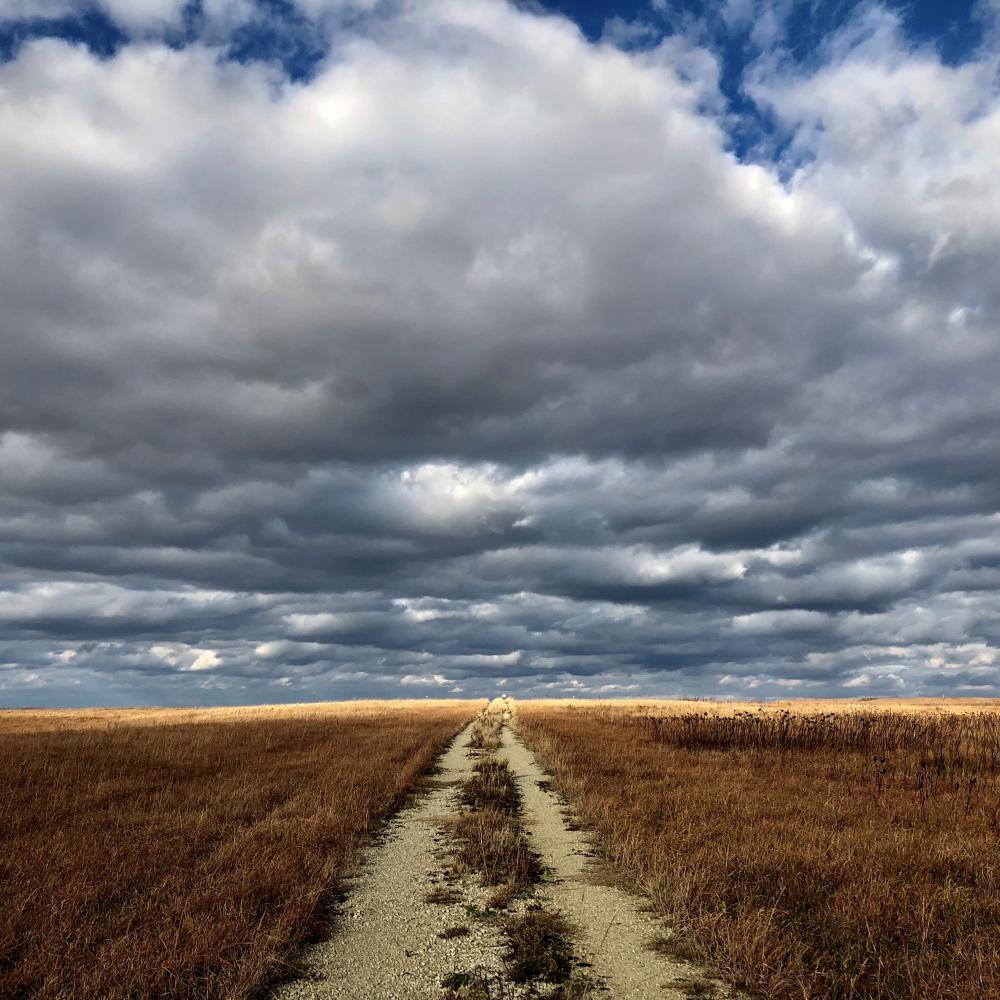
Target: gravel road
[{"x": 386, "y": 944}]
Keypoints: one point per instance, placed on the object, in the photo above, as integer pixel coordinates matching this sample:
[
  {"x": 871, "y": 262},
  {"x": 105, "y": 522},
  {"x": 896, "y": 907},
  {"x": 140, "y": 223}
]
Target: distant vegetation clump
[
  {"x": 811, "y": 854},
  {"x": 486, "y": 728}
]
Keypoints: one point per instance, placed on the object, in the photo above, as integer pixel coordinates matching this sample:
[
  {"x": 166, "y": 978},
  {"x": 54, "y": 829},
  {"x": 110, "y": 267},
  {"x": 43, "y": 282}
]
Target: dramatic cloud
[{"x": 478, "y": 355}]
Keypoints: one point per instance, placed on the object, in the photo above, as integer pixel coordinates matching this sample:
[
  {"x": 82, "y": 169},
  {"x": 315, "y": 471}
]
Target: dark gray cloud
[{"x": 479, "y": 360}]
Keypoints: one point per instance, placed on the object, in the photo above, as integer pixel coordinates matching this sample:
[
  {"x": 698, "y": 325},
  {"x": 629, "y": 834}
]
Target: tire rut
[
  {"x": 612, "y": 927},
  {"x": 385, "y": 944}
]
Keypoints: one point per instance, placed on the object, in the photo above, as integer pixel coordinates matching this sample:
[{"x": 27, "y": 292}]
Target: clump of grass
[
  {"x": 539, "y": 947},
  {"x": 486, "y": 731},
  {"x": 476, "y": 984},
  {"x": 678, "y": 947},
  {"x": 580, "y": 984},
  {"x": 458, "y": 931},
  {"x": 697, "y": 988},
  {"x": 492, "y": 843},
  {"x": 492, "y": 786},
  {"x": 442, "y": 896},
  {"x": 849, "y": 854},
  {"x": 503, "y": 896}
]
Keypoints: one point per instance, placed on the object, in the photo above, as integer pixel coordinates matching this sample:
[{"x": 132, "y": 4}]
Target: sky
[{"x": 407, "y": 348}]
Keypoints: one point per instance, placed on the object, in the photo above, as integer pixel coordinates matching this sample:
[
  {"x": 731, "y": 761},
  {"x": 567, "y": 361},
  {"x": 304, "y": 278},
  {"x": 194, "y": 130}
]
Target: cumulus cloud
[{"x": 478, "y": 355}]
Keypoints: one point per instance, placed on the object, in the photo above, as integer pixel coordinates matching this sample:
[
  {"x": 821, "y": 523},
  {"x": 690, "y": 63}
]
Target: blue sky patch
[{"x": 91, "y": 27}]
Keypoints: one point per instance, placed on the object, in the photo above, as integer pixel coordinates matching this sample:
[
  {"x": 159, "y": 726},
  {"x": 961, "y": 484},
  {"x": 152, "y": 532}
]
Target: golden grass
[
  {"x": 187, "y": 854},
  {"x": 802, "y": 706},
  {"x": 832, "y": 852},
  {"x": 13, "y": 720}
]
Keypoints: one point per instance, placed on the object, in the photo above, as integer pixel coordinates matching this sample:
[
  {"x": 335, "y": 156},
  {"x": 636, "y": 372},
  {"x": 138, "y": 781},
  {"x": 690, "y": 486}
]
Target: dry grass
[
  {"x": 830, "y": 853},
  {"x": 28, "y": 720},
  {"x": 491, "y": 841},
  {"x": 476, "y": 984},
  {"x": 800, "y": 706},
  {"x": 443, "y": 896},
  {"x": 458, "y": 931},
  {"x": 487, "y": 727},
  {"x": 492, "y": 786},
  {"x": 158, "y": 858},
  {"x": 539, "y": 947},
  {"x": 492, "y": 844}
]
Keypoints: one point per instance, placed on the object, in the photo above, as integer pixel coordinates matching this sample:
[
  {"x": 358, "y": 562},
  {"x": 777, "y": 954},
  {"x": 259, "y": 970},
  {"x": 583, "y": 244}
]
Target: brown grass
[
  {"x": 14, "y": 720},
  {"x": 172, "y": 859},
  {"x": 492, "y": 844},
  {"x": 491, "y": 840},
  {"x": 800, "y": 706},
  {"x": 443, "y": 896},
  {"x": 539, "y": 947},
  {"x": 476, "y": 984},
  {"x": 833, "y": 853},
  {"x": 487, "y": 727},
  {"x": 459, "y": 930},
  {"x": 491, "y": 786}
]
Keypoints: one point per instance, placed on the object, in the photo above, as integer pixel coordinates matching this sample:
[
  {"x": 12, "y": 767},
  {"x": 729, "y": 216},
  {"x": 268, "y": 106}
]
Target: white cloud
[
  {"x": 16, "y": 9},
  {"x": 779, "y": 622},
  {"x": 423, "y": 680},
  {"x": 207, "y": 659}
]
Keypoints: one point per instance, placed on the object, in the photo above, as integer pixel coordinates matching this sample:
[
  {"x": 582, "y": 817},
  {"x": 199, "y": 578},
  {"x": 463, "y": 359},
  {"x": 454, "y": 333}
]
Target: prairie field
[
  {"x": 174, "y": 853},
  {"x": 816, "y": 851},
  {"x": 798, "y": 850}
]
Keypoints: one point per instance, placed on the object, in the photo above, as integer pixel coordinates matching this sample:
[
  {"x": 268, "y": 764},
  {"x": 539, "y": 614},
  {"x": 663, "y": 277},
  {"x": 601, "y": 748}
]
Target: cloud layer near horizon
[{"x": 478, "y": 357}]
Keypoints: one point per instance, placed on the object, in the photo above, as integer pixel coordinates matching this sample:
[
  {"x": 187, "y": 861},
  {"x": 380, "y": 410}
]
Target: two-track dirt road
[{"x": 386, "y": 943}]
